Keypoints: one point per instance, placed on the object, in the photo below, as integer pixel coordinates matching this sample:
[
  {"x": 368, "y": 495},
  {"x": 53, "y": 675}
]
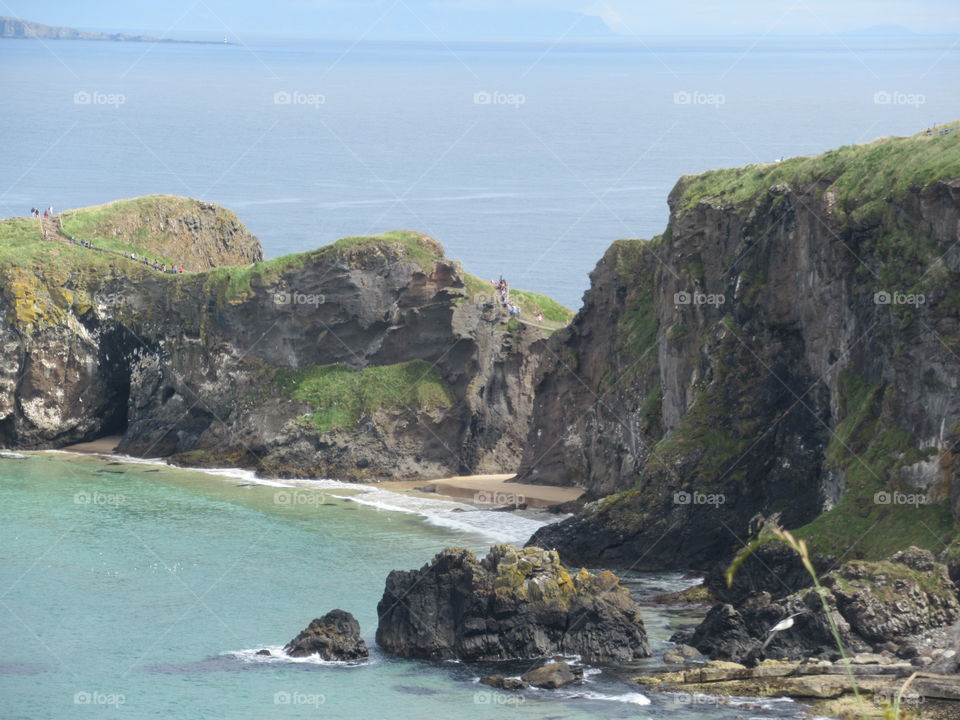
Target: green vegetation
[
  {"x": 123, "y": 225},
  {"x": 868, "y": 522},
  {"x": 530, "y": 303},
  {"x": 341, "y": 396},
  {"x": 858, "y": 174},
  {"x": 45, "y": 280}
]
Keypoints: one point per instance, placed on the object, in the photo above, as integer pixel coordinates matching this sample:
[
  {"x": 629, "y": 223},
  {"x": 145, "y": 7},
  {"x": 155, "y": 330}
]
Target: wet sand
[
  {"x": 488, "y": 490},
  {"x": 100, "y": 446}
]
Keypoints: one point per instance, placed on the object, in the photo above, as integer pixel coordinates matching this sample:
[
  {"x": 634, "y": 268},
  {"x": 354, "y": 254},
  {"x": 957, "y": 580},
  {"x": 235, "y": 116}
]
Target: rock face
[
  {"x": 512, "y": 604},
  {"x": 785, "y": 348},
  {"x": 335, "y": 636},
  {"x": 553, "y": 675},
  {"x": 368, "y": 358},
  {"x": 871, "y": 603}
]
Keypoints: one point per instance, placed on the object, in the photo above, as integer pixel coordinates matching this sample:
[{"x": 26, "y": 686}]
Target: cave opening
[
  {"x": 116, "y": 351},
  {"x": 115, "y": 420}
]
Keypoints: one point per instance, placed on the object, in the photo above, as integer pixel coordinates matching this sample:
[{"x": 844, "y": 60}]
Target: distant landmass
[{"x": 17, "y": 28}]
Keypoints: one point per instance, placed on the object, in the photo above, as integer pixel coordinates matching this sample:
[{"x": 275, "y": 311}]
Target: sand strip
[
  {"x": 101, "y": 446},
  {"x": 489, "y": 491}
]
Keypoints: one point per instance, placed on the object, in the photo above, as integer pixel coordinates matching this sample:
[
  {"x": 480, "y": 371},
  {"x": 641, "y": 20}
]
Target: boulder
[
  {"x": 553, "y": 676},
  {"x": 504, "y": 683},
  {"x": 335, "y": 636},
  {"x": 908, "y": 593},
  {"x": 515, "y": 603},
  {"x": 871, "y": 604}
]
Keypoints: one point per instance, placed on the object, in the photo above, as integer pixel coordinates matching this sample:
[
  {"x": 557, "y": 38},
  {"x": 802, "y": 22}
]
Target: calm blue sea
[
  {"x": 140, "y": 591},
  {"x": 523, "y": 159}
]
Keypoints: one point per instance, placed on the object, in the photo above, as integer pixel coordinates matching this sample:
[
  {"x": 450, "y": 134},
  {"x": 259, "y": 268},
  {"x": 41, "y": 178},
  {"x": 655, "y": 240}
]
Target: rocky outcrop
[
  {"x": 369, "y": 358},
  {"x": 511, "y": 604},
  {"x": 786, "y": 348},
  {"x": 194, "y": 234},
  {"x": 553, "y": 675},
  {"x": 873, "y": 604},
  {"x": 335, "y": 636}
]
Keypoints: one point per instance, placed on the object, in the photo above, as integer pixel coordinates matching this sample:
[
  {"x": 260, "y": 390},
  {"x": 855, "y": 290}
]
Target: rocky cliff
[
  {"x": 789, "y": 347},
  {"x": 372, "y": 357}
]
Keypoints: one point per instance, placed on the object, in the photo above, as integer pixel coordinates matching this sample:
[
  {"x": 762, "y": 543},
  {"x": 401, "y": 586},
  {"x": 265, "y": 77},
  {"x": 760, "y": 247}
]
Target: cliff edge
[{"x": 788, "y": 348}]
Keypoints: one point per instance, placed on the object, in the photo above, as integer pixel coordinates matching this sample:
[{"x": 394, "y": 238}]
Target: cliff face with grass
[
  {"x": 789, "y": 346},
  {"x": 372, "y": 357}
]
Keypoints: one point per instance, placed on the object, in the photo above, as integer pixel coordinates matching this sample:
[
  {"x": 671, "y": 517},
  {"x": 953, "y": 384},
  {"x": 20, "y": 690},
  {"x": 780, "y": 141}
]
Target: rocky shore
[{"x": 514, "y": 603}]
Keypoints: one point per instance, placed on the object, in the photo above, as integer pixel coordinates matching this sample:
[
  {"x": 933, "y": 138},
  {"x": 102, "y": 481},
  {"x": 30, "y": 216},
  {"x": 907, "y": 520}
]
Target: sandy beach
[
  {"x": 489, "y": 490},
  {"x": 484, "y": 491},
  {"x": 100, "y": 446}
]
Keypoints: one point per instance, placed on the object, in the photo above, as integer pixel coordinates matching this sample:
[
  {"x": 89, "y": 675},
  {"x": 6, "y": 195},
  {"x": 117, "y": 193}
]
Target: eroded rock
[
  {"x": 335, "y": 636},
  {"x": 514, "y": 603}
]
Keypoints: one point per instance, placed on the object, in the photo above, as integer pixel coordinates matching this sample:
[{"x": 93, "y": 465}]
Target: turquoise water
[
  {"x": 534, "y": 191},
  {"x": 143, "y": 591}
]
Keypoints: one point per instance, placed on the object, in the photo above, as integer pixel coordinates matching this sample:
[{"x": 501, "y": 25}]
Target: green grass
[
  {"x": 45, "y": 280},
  {"x": 237, "y": 283},
  {"x": 341, "y": 396},
  {"x": 104, "y": 225},
  {"x": 860, "y": 175},
  {"x": 530, "y": 303},
  {"x": 870, "y": 454},
  {"x": 19, "y": 238}
]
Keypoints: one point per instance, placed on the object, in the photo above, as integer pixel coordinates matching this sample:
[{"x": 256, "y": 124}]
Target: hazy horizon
[{"x": 494, "y": 20}]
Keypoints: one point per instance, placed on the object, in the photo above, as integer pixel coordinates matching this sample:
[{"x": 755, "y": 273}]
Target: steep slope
[
  {"x": 789, "y": 346},
  {"x": 370, "y": 357}
]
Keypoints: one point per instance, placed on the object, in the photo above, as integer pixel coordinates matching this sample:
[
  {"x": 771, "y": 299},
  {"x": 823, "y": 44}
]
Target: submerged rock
[
  {"x": 335, "y": 636},
  {"x": 504, "y": 683},
  {"x": 554, "y": 675},
  {"x": 515, "y": 603}
]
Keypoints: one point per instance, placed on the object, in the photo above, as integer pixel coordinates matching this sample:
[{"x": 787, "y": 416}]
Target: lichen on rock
[{"x": 514, "y": 603}]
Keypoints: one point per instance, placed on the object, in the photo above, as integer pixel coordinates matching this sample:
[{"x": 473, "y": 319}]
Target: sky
[{"x": 493, "y": 19}]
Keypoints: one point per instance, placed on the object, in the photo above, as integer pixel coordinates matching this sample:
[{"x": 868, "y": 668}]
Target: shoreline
[{"x": 485, "y": 491}]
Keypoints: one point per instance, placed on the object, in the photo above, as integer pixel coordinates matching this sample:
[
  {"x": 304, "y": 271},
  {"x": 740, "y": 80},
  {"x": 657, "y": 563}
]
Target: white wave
[
  {"x": 247, "y": 476},
  {"x": 494, "y": 525},
  {"x": 10, "y": 455},
  {"x": 634, "y": 698},
  {"x": 277, "y": 655}
]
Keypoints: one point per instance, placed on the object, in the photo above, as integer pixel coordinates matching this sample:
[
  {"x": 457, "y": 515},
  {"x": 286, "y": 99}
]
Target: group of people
[
  {"x": 155, "y": 264},
  {"x": 503, "y": 288}
]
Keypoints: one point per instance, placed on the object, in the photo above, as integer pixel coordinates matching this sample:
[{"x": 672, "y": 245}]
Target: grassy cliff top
[
  {"x": 369, "y": 250},
  {"x": 167, "y": 229},
  {"x": 857, "y": 174}
]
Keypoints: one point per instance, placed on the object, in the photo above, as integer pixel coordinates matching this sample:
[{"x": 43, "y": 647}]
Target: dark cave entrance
[
  {"x": 115, "y": 419},
  {"x": 117, "y": 349}
]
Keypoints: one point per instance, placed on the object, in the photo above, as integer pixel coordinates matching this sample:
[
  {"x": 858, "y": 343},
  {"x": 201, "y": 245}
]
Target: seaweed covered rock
[
  {"x": 871, "y": 603},
  {"x": 515, "y": 603},
  {"x": 335, "y": 636}
]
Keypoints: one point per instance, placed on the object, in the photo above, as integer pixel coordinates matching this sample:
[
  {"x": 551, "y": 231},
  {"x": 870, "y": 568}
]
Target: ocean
[
  {"x": 144, "y": 591},
  {"x": 138, "y": 590},
  {"x": 525, "y": 160}
]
